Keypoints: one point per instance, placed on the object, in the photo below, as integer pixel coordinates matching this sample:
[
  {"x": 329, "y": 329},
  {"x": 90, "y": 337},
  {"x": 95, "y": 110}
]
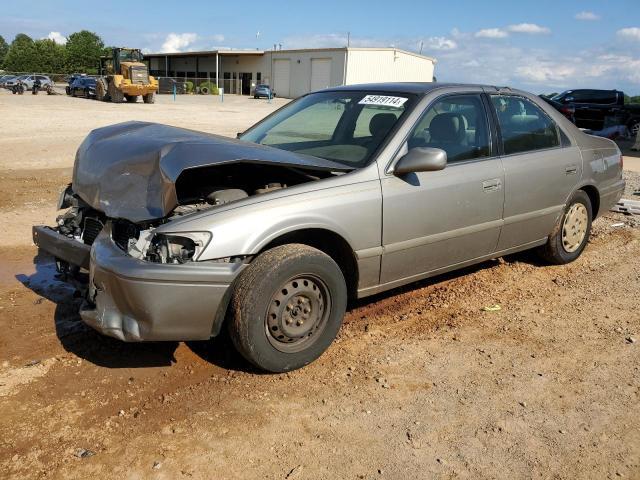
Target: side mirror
[{"x": 421, "y": 159}]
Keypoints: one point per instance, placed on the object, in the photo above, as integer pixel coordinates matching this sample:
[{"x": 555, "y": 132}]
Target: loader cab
[{"x": 119, "y": 56}]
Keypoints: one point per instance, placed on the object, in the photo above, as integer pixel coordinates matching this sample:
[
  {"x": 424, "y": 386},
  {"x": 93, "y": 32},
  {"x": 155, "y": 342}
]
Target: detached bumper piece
[
  {"x": 62, "y": 247},
  {"x": 134, "y": 300}
]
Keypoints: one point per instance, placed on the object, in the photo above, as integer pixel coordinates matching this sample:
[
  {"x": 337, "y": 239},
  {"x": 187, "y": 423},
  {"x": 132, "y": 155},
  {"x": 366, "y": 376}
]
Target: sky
[{"x": 542, "y": 46}]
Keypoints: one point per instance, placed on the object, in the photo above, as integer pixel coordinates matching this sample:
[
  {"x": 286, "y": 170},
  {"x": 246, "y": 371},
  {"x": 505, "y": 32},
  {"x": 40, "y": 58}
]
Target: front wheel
[
  {"x": 287, "y": 307},
  {"x": 149, "y": 98},
  {"x": 571, "y": 232}
]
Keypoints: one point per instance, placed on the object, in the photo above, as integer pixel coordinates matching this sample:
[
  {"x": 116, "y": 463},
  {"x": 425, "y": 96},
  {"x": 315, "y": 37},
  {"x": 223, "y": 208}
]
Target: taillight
[{"x": 568, "y": 111}]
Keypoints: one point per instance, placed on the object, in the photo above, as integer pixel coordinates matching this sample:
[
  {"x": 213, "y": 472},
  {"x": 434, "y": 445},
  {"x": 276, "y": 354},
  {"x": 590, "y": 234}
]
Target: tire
[
  {"x": 67, "y": 90},
  {"x": 263, "y": 328},
  {"x": 131, "y": 98},
  {"x": 149, "y": 98},
  {"x": 563, "y": 247},
  {"x": 116, "y": 94},
  {"x": 102, "y": 90}
]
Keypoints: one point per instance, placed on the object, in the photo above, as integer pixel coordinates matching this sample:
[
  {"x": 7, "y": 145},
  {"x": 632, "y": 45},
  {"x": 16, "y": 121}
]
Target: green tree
[
  {"x": 4, "y": 48},
  {"x": 21, "y": 56},
  {"x": 83, "y": 50},
  {"x": 50, "y": 56}
]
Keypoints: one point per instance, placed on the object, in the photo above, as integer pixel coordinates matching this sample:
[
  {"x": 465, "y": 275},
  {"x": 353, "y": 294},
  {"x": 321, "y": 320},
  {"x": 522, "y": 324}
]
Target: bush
[
  {"x": 189, "y": 86},
  {"x": 209, "y": 88}
]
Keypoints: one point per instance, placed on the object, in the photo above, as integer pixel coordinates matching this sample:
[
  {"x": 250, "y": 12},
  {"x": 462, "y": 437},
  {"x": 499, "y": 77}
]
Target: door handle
[
  {"x": 492, "y": 185},
  {"x": 571, "y": 170}
]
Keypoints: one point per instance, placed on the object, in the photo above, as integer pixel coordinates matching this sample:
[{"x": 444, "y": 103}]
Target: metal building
[{"x": 292, "y": 73}]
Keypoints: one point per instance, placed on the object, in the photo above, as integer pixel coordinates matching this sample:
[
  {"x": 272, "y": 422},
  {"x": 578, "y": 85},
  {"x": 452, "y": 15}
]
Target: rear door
[
  {"x": 436, "y": 220},
  {"x": 541, "y": 170}
]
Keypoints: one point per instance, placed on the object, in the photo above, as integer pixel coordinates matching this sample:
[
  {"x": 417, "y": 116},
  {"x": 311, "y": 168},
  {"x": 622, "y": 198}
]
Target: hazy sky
[{"x": 542, "y": 45}]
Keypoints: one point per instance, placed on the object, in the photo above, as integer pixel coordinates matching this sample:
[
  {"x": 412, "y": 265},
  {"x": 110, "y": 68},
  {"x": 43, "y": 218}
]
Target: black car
[
  {"x": 83, "y": 86},
  {"x": 595, "y": 109}
]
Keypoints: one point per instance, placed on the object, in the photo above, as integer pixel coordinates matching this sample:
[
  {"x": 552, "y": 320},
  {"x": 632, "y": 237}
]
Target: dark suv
[{"x": 591, "y": 107}]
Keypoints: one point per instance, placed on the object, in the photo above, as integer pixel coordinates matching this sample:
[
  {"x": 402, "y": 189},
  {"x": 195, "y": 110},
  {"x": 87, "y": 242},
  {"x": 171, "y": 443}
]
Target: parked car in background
[
  {"x": 5, "y": 78},
  {"x": 72, "y": 78},
  {"x": 596, "y": 109},
  {"x": 263, "y": 91},
  {"x": 83, "y": 87},
  {"x": 342, "y": 193},
  {"x": 10, "y": 83},
  {"x": 28, "y": 81}
]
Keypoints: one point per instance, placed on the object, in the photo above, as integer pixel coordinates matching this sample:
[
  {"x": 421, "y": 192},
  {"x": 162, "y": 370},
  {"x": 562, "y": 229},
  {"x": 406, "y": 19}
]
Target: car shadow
[
  {"x": 86, "y": 343},
  {"x": 81, "y": 340}
]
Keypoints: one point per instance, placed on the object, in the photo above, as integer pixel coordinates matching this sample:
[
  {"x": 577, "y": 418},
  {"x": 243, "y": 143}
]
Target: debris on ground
[
  {"x": 492, "y": 308},
  {"x": 84, "y": 453}
]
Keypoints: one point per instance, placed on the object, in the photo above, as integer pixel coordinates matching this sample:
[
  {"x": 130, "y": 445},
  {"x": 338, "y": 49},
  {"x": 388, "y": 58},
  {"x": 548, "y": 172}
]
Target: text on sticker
[{"x": 383, "y": 100}]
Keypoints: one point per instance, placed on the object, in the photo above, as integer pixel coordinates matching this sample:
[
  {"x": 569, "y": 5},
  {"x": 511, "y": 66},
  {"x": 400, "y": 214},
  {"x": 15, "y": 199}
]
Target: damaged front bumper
[
  {"x": 61, "y": 247},
  {"x": 134, "y": 300}
]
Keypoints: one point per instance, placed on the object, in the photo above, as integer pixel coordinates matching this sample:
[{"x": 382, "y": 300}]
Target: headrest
[
  {"x": 448, "y": 127},
  {"x": 381, "y": 123}
]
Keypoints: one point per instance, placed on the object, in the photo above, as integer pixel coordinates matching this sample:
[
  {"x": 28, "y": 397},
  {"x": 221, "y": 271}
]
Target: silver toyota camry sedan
[{"x": 340, "y": 194}]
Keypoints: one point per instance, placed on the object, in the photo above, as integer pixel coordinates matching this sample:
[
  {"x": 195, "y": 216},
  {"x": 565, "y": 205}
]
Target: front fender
[{"x": 352, "y": 211}]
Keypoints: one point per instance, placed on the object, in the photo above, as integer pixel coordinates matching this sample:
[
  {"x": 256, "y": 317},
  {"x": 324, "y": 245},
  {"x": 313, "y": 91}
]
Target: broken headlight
[{"x": 177, "y": 248}]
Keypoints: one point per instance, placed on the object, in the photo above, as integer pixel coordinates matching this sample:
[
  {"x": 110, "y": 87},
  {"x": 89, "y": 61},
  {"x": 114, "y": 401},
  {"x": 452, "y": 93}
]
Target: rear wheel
[
  {"x": 287, "y": 307},
  {"x": 571, "y": 233},
  {"x": 131, "y": 98},
  {"x": 149, "y": 98}
]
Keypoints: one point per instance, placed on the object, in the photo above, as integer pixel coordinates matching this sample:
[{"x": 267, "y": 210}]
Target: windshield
[
  {"x": 130, "y": 56},
  {"x": 344, "y": 126}
]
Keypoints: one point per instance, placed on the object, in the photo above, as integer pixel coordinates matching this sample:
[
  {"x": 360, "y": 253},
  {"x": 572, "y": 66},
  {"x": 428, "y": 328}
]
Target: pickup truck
[{"x": 591, "y": 108}]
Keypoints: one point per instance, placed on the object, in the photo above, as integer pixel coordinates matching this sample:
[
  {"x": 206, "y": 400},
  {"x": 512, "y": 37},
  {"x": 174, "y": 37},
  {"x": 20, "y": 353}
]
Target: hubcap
[
  {"x": 574, "y": 227},
  {"x": 297, "y": 313}
]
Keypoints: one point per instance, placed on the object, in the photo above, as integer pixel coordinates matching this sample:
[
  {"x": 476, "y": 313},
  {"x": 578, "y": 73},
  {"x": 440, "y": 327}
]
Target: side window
[
  {"x": 456, "y": 124},
  {"x": 524, "y": 126}
]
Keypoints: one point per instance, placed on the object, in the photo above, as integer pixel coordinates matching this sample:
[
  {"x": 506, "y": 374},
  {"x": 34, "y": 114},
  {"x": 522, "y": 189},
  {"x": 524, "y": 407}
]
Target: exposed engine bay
[{"x": 198, "y": 189}]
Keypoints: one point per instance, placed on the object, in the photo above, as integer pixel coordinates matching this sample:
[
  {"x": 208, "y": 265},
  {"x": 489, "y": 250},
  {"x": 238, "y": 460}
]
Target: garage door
[
  {"x": 281, "y": 76},
  {"x": 320, "y": 73}
]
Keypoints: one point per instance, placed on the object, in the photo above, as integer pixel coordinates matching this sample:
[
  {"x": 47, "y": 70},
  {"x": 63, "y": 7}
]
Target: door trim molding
[{"x": 439, "y": 237}]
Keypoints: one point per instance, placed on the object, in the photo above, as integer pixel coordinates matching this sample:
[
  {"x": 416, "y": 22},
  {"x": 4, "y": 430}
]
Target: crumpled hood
[{"x": 129, "y": 170}]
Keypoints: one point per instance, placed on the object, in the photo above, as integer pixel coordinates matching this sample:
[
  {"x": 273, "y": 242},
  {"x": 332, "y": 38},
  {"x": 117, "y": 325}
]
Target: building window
[{"x": 259, "y": 76}]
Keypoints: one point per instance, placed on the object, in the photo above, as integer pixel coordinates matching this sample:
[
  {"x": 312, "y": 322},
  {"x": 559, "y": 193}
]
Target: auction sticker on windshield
[{"x": 383, "y": 101}]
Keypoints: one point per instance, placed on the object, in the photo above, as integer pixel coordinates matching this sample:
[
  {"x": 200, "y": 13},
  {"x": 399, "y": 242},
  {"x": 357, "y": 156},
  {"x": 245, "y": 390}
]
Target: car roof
[{"x": 405, "y": 87}]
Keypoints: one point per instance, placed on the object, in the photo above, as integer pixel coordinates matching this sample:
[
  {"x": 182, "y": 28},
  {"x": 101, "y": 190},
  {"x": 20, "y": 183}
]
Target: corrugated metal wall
[
  {"x": 300, "y": 69},
  {"x": 366, "y": 66}
]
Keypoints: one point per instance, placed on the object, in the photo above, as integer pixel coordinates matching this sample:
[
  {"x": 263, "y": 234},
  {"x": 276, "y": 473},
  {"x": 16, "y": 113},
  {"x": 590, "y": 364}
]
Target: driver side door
[{"x": 435, "y": 221}]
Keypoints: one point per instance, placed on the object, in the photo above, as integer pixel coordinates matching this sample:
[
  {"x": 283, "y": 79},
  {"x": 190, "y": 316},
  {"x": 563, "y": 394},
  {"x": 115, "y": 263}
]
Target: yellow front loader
[{"x": 125, "y": 77}]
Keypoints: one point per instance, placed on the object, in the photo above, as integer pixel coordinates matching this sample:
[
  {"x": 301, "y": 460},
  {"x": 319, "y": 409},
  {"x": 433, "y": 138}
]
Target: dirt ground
[{"x": 421, "y": 383}]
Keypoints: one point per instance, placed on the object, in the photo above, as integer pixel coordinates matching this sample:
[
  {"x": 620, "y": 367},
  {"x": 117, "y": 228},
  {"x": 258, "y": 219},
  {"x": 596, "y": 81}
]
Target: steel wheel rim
[
  {"x": 297, "y": 313},
  {"x": 574, "y": 227}
]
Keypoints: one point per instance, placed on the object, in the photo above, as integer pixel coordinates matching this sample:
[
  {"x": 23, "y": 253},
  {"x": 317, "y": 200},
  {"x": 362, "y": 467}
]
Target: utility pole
[
  {"x": 421, "y": 45},
  {"x": 348, "y": 39}
]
